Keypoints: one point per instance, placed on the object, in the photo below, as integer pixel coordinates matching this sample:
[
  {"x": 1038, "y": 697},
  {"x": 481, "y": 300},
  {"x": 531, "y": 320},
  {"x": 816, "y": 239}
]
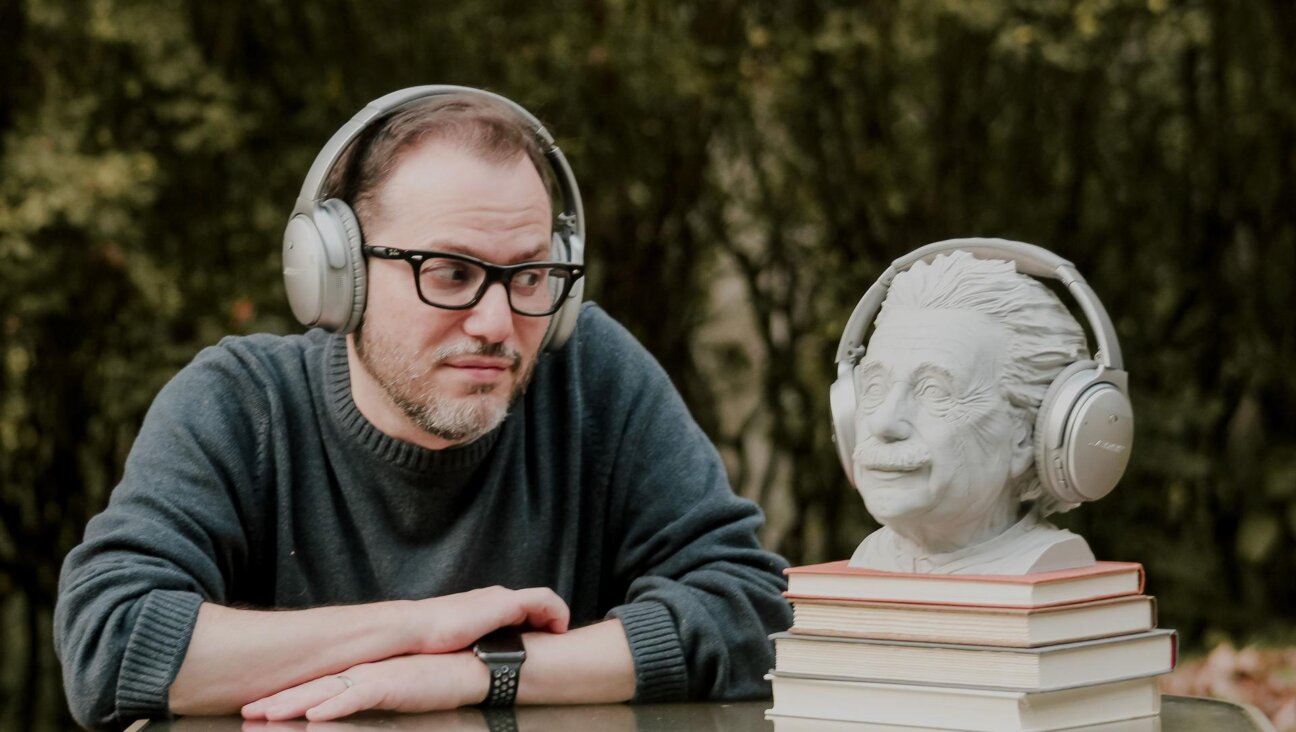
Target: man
[
  {"x": 397, "y": 493},
  {"x": 948, "y": 391}
]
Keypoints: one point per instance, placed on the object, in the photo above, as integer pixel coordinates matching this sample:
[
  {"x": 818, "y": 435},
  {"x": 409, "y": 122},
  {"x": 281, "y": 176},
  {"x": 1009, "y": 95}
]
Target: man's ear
[{"x": 1023, "y": 448}]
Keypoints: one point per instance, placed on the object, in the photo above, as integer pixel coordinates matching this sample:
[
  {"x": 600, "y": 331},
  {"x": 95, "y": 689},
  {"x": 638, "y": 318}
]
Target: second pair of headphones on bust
[
  {"x": 1085, "y": 424},
  {"x": 324, "y": 264}
]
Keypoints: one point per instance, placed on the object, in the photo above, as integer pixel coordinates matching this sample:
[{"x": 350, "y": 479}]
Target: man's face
[
  {"x": 453, "y": 373},
  {"x": 936, "y": 440}
]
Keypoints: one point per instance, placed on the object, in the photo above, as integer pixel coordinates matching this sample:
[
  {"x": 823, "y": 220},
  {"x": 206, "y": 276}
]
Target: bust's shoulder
[
  {"x": 1052, "y": 549},
  {"x": 1031, "y": 546},
  {"x": 881, "y": 551},
  {"x": 1042, "y": 547}
]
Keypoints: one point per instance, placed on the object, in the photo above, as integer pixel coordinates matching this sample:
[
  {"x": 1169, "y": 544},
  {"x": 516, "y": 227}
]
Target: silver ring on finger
[{"x": 346, "y": 680}]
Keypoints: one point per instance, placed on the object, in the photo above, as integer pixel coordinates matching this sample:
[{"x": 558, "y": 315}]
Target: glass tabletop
[{"x": 1178, "y": 714}]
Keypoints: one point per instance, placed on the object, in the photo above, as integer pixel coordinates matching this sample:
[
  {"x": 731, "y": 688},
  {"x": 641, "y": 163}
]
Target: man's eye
[
  {"x": 447, "y": 273},
  {"x": 529, "y": 278}
]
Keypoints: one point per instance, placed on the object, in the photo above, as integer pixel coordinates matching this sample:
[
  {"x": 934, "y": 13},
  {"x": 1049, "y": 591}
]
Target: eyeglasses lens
[{"x": 455, "y": 283}]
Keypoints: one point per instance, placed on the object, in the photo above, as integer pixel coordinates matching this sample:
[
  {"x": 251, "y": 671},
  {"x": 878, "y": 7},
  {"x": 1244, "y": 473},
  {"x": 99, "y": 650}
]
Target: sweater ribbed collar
[{"x": 341, "y": 404}]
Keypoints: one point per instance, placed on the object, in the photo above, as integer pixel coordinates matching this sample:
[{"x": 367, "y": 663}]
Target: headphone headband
[
  {"x": 573, "y": 216},
  {"x": 1030, "y": 259}
]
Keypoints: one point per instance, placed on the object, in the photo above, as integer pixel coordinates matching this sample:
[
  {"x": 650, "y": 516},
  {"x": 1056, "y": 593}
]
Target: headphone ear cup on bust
[
  {"x": 1083, "y": 433},
  {"x": 1048, "y": 432},
  {"x": 841, "y": 401}
]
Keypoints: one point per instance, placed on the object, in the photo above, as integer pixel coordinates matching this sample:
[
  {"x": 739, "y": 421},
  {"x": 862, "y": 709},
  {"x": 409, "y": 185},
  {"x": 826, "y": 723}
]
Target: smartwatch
[{"x": 503, "y": 654}]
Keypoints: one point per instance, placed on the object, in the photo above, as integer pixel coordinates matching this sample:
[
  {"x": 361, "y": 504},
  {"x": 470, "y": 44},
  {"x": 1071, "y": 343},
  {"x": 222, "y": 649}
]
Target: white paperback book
[
  {"x": 964, "y": 709},
  {"x": 805, "y": 724},
  {"x": 980, "y": 625},
  {"x": 1042, "y": 668}
]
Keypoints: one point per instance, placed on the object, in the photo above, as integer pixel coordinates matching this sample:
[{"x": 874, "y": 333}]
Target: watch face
[
  {"x": 500, "y": 656},
  {"x": 503, "y": 654},
  {"x": 502, "y": 646}
]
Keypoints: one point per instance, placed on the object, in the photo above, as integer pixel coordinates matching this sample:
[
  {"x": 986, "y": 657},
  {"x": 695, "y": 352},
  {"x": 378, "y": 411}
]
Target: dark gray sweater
[{"x": 256, "y": 481}]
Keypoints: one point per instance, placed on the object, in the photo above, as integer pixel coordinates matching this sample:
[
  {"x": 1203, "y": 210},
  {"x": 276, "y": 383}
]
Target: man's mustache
[
  {"x": 897, "y": 457},
  {"x": 477, "y": 348}
]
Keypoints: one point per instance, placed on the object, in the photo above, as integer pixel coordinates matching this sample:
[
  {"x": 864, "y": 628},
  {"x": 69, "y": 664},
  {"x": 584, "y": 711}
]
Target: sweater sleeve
[
  {"x": 171, "y": 535},
  {"x": 703, "y": 596}
]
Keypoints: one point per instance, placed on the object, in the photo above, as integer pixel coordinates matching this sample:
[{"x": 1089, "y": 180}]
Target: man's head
[
  {"x": 471, "y": 122},
  {"x": 947, "y": 392},
  {"x": 459, "y": 174}
]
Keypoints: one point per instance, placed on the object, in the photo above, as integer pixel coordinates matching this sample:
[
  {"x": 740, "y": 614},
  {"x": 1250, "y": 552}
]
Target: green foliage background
[{"x": 748, "y": 169}]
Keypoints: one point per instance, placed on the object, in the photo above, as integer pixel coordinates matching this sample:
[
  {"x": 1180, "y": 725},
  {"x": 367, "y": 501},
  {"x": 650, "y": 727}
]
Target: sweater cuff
[
  {"x": 157, "y": 646},
  {"x": 660, "y": 672}
]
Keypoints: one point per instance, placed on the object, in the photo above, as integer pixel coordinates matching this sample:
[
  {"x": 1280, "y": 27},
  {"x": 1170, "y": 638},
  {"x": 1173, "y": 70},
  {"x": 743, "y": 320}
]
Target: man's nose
[
  {"x": 491, "y": 319},
  {"x": 891, "y": 421}
]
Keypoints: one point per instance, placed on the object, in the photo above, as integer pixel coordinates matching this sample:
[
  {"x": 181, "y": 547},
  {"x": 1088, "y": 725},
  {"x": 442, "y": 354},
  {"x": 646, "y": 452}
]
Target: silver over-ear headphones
[
  {"x": 324, "y": 267},
  {"x": 1085, "y": 424}
]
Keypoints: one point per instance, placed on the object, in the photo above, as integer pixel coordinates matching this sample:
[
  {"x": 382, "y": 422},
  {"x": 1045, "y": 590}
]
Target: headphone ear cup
[
  {"x": 841, "y": 401},
  {"x": 305, "y": 269},
  {"x": 1049, "y": 430},
  {"x": 563, "y": 322},
  {"x": 345, "y": 296},
  {"x": 1083, "y": 433}
]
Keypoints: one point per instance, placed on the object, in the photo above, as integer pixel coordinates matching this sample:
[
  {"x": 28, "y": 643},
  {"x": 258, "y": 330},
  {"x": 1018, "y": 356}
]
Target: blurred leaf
[{"x": 1258, "y": 537}]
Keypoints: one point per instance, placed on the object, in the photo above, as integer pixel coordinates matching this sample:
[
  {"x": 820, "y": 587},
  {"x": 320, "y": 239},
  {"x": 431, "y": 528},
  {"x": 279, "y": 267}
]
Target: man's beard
[{"x": 454, "y": 418}]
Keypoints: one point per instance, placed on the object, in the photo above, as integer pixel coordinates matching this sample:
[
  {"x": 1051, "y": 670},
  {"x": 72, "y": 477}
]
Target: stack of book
[{"x": 1045, "y": 651}]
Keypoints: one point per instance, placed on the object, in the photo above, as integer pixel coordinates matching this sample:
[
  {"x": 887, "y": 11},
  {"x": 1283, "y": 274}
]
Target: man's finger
[
  {"x": 455, "y": 621},
  {"x": 293, "y": 703},
  {"x": 544, "y": 609},
  {"x": 342, "y": 705},
  {"x": 261, "y": 725}
]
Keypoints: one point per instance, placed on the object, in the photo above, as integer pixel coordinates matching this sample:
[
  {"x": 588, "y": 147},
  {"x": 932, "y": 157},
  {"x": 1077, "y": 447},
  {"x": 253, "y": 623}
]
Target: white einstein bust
[{"x": 948, "y": 389}]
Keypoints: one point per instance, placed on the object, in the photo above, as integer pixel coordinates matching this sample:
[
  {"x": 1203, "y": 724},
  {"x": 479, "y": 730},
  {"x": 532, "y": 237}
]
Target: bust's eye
[
  {"x": 932, "y": 391},
  {"x": 872, "y": 391}
]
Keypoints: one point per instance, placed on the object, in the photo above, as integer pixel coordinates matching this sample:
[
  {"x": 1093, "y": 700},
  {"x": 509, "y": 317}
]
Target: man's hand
[
  {"x": 288, "y": 649},
  {"x": 454, "y": 622},
  {"x": 420, "y": 683},
  {"x": 590, "y": 665}
]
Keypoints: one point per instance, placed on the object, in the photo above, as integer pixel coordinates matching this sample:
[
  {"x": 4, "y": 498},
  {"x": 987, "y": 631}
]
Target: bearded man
[{"x": 313, "y": 525}]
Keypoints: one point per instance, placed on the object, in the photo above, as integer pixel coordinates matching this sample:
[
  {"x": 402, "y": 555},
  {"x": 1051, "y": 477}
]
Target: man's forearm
[
  {"x": 589, "y": 665},
  {"x": 239, "y": 656},
  {"x": 236, "y": 656}
]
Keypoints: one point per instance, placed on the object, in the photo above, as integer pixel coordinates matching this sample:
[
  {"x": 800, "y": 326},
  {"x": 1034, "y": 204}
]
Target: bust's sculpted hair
[{"x": 1043, "y": 338}]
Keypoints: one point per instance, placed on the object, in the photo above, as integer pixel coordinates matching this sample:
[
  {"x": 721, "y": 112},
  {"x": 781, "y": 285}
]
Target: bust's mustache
[{"x": 897, "y": 457}]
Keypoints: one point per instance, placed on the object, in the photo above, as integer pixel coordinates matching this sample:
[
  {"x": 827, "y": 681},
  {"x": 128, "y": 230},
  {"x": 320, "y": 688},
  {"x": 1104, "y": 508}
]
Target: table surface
[{"x": 1178, "y": 714}]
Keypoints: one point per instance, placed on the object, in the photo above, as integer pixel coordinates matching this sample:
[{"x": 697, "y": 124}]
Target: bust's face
[{"x": 936, "y": 442}]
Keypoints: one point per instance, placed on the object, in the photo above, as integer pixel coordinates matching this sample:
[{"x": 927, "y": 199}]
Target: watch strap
[
  {"x": 503, "y": 653},
  {"x": 500, "y": 719}
]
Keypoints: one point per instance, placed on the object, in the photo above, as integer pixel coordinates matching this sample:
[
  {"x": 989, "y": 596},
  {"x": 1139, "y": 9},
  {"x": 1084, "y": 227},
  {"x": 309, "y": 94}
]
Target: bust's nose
[{"x": 891, "y": 421}]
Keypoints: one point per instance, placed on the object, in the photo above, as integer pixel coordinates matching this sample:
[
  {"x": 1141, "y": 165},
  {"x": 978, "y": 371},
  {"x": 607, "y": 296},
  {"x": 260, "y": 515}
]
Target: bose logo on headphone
[
  {"x": 1086, "y": 406},
  {"x": 324, "y": 266}
]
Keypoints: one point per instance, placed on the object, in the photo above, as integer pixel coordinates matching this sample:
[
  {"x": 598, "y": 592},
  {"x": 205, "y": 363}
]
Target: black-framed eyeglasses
[{"x": 458, "y": 281}]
